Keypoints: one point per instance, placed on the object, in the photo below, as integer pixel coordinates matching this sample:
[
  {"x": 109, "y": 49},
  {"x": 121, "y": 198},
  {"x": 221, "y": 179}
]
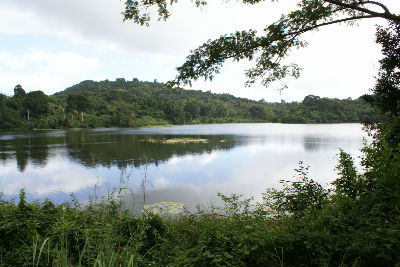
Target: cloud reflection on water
[
  {"x": 59, "y": 176},
  {"x": 81, "y": 161}
]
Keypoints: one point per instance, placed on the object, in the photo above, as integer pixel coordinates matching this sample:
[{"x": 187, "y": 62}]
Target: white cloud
[
  {"x": 160, "y": 181},
  {"x": 339, "y": 62},
  {"x": 43, "y": 70},
  {"x": 56, "y": 177},
  {"x": 207, "y": 158},
  {"x": 100, "y": 23}
]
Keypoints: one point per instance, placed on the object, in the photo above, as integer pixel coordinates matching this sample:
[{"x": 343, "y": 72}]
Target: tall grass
[{"x": 300, "y": 225}]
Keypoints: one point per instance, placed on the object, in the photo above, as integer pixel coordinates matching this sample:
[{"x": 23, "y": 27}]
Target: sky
[{"x": 50, "y": 45}]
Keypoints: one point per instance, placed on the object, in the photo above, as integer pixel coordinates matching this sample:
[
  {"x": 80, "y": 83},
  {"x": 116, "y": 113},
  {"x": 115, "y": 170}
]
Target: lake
[{"x": 230, "y": 158}]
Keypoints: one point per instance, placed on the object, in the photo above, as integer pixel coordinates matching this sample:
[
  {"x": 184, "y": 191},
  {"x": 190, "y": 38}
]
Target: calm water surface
[{"x": 237, "y": 158}]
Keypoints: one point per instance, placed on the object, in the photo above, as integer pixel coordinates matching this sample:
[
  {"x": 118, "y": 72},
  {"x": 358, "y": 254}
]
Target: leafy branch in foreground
[{"x": 269, "y": 49}]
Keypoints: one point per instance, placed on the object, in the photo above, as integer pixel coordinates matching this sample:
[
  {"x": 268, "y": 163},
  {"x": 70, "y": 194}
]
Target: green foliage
[
  {"x": 77, "y": 102},
  {"x": 36, "y": 102},
  {"x": 123, "y": 103},
  {"x": 102, "y": 233},
  {"x": 9, "y": 114},
  {"x": 386, "y": 93},
  {"x": 348, "y": 183},
  {"x": 267, "y": 49},
  {"x": 19, "y": 92},
  {"x": 382, "y": 175},
  {"x": 297, "y": 197}
]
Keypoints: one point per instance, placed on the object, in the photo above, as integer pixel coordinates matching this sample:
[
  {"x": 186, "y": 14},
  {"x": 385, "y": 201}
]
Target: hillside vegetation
[{"x": 122, "y": 103}]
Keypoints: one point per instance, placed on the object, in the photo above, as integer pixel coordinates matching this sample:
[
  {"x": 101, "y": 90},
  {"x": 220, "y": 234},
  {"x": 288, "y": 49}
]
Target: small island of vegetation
[{"x": 183, "y": 140}]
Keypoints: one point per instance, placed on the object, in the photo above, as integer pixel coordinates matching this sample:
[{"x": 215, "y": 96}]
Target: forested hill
[{"x": 134, "y": 103}]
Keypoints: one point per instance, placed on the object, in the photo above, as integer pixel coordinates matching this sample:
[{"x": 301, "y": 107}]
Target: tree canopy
[
  {"x": 267, "y": 49},
  {"x": 136, "y": 103},
  {"x": 387, "y": 89},
  {"x": 78, "y": 102},
  {"x": 19, "y": 92},
  {"x": 36, "y": 102}
]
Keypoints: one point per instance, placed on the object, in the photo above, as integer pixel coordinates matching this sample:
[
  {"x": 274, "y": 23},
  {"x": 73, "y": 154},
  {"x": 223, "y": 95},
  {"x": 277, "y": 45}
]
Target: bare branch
[
  {"x": 297, "y": 33},
  {"x": 329, "y": 23},
  {"x": 386, "y": 15},
  {"x": 378, "y": 4}
]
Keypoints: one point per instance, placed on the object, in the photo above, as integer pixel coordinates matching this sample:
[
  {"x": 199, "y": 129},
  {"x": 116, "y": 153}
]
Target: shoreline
[{"x": 172, "y": 125}]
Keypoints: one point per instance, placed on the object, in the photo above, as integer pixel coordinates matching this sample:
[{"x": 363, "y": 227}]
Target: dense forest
[{"x": 122, "y": 103}]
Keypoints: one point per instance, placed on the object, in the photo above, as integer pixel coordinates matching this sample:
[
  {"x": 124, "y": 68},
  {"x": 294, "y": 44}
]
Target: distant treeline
[{"x": 122, "y": 103}]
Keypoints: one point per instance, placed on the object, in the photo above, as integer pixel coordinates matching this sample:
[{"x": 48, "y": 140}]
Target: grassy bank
[{"x": 302, "y": 224}]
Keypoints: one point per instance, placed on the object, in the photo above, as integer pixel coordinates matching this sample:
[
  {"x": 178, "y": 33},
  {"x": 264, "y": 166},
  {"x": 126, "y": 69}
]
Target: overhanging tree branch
[
  {"x": 207, "y": 59},
  {"x": 330, "y": 23},
  {"x": 378, "y": 4},
  {"x": 266, "y": 50},
  {"x": 356, "y": 6}
]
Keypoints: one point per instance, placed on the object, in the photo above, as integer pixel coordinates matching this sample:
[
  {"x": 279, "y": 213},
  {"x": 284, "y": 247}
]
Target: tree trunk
[{"x": 64, "y": 112}]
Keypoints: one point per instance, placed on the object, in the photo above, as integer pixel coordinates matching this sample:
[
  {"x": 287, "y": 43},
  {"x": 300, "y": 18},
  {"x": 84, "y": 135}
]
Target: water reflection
[
  {"x": 59, "y": 176},
  {"x": 313, "y": 143},
  {"x": 120, "y": 150},
  {"x": 91, "y": 148},
  {"x": 240, "y": 158}
]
